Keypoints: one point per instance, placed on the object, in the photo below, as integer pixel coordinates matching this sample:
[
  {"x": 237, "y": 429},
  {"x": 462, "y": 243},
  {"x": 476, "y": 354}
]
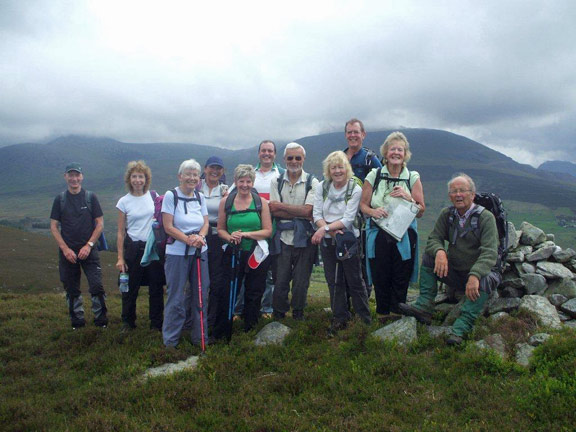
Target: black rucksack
[
  {"x": 491, "y": 202},
  {"x": 308, "y": 184},
  {"x": 230, "y": 201},
  {"x": 367, "y": 165},
  {"x": 380, "y": 177}
]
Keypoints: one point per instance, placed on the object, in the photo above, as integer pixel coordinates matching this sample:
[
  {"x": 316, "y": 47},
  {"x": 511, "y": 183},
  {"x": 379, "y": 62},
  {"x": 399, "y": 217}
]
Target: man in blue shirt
[{"x": 362, "y": 159}]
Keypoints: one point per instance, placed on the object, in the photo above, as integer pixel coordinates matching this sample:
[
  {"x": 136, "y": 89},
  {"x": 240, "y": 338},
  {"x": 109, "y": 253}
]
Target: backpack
[
  {"x": 281, "y": 184},
  {"x": 160, "y": 237},
  {"x": 491, "y": 202},
  {"x": 102, "y": 244},
  {"x": 230, "y": 201},
  {"x": 367, "y": 165},
  {"x": 358, "y": 220},
  {"x": 394, "y": 180}
]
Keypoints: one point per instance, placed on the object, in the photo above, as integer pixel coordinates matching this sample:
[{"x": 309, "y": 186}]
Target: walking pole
[{"x": 200, "y": 302}]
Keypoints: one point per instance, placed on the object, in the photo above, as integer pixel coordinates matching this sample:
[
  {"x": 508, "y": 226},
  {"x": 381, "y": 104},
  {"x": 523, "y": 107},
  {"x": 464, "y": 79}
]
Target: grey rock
[
  {"x": 569, "y": 307},
  {"x": 557, "y": 299},
  {"x": 566, "y": 287},
  {"x": 534, "y": 283},
  {"x": 498, "y": 316},
  {"x": 571, "y": 265},
  {"x": 494, "y": 342},
  {"x": 563, "y": 256},
  {"x": 546, "y": 244},
  {"x": 439, "y": 331},
  {"x": 512, "y": 292},
  {"x": 403, "y": 331},
  {"x": 552, "y": 270},
  {"x": 542, "y": 308},
  {"x": 515, "y": 257},
  {"x": 525, "y": 249},
  {"x": 513, "y": 237},
  {"x": 513, "y": 283},
  {"x": 570, "y": 324},
  {"x": 541, "y": 254},
  {"x": 444, "y": 308},
  {"x": 524, "y": 353},
  {"x": 441, "y": 298},
  {"x": 531, "y": 235},
  {"x": 503, "y": 305},
  {"x": 273, "y": 333},
  {"x": 453, "y": 315},
  {"x": 563, "y": 316},
  {"x": 528, "y": 268},
  {"x": 169, "y": 368},
  {"x": 538, "y": 339},
  {"x": 550, "y": 237}
]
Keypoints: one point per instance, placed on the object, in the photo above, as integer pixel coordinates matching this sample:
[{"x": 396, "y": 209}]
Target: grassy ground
[{"x": 56, "y": 379}]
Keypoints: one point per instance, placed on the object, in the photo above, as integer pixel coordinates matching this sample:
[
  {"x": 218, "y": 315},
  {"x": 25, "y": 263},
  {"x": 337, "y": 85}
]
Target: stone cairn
[{"x": 539, "y": 277}]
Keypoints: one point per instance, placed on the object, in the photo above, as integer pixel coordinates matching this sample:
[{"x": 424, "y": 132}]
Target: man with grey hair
[
  {"x": 291, "y": 202},
  {"x": 76, "y": 222},
  {"x": 467, "y": 264}
]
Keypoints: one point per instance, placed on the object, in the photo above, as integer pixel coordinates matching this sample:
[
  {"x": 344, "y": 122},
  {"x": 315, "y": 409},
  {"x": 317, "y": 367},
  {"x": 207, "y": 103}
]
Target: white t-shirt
[
  {"x": 185, "y": 222},
  {"x": 262, "y": 181},
  {"x": 335, "y": 207},
  {"x": 139, "y": 211},
  {"x": 213, "y": 198}
]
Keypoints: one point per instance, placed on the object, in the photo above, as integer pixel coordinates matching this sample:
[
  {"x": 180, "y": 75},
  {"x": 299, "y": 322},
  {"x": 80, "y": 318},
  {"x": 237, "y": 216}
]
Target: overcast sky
[{"x": 230, "y": 73}]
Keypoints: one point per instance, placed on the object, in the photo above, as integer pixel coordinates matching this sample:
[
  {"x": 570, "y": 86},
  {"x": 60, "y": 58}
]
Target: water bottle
[{"x": 123, "y": 282}]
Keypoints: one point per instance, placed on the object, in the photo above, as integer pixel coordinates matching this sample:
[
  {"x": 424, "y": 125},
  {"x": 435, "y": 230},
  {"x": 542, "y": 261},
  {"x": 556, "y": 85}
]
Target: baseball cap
[
  {"x": 215, "y": 160},
  {"x": 73, "y": 166}
]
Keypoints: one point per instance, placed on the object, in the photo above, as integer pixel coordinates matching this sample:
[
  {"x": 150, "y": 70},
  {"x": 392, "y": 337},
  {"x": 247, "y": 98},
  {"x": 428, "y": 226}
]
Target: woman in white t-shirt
[
  {"x": 336, "y": 202},
  {"x": 135, "y": 215},
  {"x": 185, "y": 220}
]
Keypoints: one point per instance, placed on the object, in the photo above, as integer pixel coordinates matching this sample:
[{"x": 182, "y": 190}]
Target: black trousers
[
  {"x": 151, "y": 275},
  {"x": 391, "y": 275},
  {"x": 215, "y": 269},
  {"x": 254, "y": 283}
]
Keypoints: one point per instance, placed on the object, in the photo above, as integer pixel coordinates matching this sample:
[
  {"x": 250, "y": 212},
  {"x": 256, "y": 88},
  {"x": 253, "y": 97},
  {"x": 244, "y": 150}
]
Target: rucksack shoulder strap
[{"x": 281, "y": 184}]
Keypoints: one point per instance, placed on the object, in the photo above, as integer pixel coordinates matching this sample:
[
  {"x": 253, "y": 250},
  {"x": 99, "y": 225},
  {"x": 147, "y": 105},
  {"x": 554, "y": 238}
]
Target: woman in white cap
[{"x": 243, "y": 220}]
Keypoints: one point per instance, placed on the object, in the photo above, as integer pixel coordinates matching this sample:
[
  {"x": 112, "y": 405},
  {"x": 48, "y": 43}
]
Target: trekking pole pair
[{"x": 233, "y": 288}]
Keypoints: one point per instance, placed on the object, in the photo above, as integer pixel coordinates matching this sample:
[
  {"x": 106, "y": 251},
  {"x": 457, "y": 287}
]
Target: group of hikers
[{"x": 247, "y": 252}]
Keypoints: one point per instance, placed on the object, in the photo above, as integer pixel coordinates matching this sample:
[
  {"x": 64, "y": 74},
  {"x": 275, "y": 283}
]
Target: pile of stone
[{"x": 539, "y": 277}]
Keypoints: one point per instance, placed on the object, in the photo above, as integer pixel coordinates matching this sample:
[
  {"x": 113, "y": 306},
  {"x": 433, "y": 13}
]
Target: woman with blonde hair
[
  {"x": 135, "y": 217},
  {"x": 335, "y": 213}
]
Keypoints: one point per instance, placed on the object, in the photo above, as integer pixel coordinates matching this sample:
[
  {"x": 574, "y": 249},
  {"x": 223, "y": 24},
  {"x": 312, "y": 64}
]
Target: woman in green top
[{"x": 243, "y": 219}]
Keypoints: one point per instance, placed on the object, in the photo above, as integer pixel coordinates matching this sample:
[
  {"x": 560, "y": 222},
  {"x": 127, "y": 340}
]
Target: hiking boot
[
  {"x": 78, "y": 324},
  {"x": 298, "y": 316},
  {"x": 454, "y": 340},
  {"x": 421, "y": 316},
  {"x": 278, "y": 315},
  {"x": 389, "y": 318},
  {"x": 266, "y": 316}
]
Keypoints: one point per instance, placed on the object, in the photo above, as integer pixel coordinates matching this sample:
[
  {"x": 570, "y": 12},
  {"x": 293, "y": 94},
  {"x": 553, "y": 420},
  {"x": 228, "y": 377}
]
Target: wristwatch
[
  {"x": 91, "y": 244},
  {"x": 326, "y": 228}
]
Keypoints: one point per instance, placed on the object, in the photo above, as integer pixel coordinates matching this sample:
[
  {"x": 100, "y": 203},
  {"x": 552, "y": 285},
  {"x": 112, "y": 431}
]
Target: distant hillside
[
  {"x": 31, "y": 174},
  {"x": 559, "y": 167}
]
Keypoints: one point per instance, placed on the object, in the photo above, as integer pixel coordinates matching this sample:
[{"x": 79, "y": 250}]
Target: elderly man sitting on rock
[{"x": 466, "y": 264}]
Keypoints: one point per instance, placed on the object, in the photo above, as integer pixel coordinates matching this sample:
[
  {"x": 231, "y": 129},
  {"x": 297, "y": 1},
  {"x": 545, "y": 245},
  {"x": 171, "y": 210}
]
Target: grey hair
[
  {"x": 294, "y": 145},
  {"x": 244, "y": 170},
  {"x": 189, "y": 164},
  {"x": 471, "y": 183}
]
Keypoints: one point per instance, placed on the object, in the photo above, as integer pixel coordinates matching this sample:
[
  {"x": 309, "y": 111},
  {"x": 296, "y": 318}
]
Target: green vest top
[{"x": 247, "y": 222}]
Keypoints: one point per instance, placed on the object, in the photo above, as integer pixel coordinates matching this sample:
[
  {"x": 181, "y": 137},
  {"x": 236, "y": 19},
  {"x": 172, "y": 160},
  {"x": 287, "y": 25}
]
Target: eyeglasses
[
  {"x": 298, "y": 158},
  {"x": 459, "y": 191}
]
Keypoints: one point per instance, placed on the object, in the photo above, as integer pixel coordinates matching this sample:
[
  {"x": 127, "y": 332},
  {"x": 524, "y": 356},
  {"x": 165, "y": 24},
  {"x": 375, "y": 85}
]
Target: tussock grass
[{"x": 57, "y": 379}]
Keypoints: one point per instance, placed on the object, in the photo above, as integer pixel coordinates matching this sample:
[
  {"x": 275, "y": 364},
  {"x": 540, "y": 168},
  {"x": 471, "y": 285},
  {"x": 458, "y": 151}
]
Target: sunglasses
[{"x": 298, "y": 158}]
